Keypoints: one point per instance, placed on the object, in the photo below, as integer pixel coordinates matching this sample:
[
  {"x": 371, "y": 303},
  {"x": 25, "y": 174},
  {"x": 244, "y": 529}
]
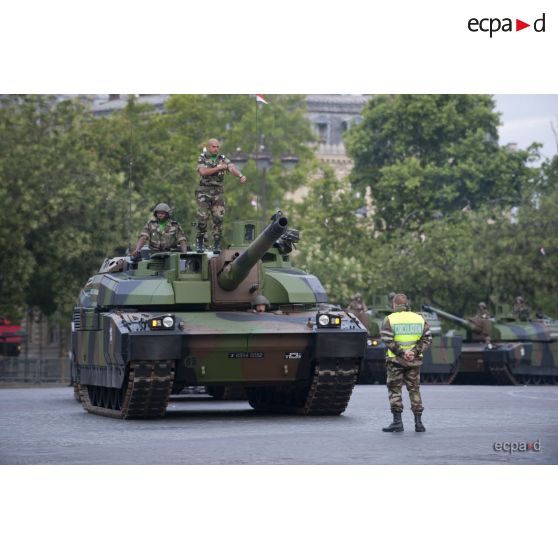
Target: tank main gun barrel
[
  {"x": 234, "y": 273},
  {"x": 455, "y": 319}
]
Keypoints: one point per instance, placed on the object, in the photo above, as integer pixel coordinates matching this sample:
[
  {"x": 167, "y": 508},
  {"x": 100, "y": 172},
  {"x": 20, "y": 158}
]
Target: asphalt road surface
[{"x": 47, "y": 426}]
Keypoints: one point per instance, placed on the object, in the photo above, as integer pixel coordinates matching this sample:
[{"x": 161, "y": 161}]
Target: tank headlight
[
  {"x": 328, "y": 320},
  {"x": 168, "y": 321},
  {"x": 162, "y": 322}
]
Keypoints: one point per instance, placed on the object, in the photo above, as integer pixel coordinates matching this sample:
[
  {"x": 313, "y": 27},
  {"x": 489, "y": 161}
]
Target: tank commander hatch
[{"x": 162, "y": 233}]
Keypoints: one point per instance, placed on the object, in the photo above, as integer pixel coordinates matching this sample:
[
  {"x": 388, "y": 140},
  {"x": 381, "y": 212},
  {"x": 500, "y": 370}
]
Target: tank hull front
[{"x": 212, "y": 349}]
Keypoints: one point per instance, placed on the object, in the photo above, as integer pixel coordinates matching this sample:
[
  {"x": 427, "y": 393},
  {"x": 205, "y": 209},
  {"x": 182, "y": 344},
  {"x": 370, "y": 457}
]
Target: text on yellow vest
[{"x": 407, "y": 328}]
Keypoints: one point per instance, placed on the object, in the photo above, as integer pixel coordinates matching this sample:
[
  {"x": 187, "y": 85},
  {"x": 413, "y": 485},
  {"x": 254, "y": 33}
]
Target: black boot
[
  {"x": 217, "y": 246},
  {"x": 396, "y": 425},
  {"x": 199, "y": 244},
  {"x": 419, "y": 427}
]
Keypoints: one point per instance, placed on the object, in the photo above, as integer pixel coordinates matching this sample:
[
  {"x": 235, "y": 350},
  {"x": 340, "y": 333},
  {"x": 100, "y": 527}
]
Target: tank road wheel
[{"x": 144, "y": 393}]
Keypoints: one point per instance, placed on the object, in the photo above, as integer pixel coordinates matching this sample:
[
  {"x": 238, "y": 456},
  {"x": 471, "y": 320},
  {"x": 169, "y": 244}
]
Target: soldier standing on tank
[
  {"x": 162, "y": 233},
  {"x": 210, "y": 197},
  {"x": 520, "y": 309},
  {"x": 406, "y": 336}
]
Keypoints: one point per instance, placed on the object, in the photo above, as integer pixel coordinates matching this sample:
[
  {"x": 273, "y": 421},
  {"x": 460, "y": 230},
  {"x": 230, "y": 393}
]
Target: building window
[{"x": 344, "y": 126}]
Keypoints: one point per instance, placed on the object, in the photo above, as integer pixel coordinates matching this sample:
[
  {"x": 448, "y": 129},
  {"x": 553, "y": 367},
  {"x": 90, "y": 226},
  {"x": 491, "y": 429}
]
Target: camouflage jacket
[
  {"x": 213, "y": 181},
  {"x": 387, "y": 335},
  {"x": 167, "y": 239}
]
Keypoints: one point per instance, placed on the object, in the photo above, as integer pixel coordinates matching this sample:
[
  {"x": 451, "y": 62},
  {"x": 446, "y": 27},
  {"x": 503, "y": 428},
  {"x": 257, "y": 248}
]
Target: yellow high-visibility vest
[{"x": 407, "y": 328}]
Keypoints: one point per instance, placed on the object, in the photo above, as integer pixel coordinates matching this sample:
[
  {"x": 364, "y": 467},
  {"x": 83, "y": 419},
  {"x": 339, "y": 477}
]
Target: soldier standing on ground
[
  {"x": 406, "y": 336},
  {"x": 210, "y": 196},
  {"x": 162, "y": 233}
]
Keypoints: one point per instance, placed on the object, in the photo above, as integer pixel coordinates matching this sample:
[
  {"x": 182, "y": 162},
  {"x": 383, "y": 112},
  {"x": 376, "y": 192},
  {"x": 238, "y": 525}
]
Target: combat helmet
[
  {"x": 260, "y": 299},
  {"x": 162, "y": 207}
]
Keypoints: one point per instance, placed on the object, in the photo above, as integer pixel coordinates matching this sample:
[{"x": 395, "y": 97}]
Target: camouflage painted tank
[
  {"x": 539, "y": 335},
  {"x": 489, "y": 354},
  {"x": 440, "y": 361},
  {"x": 142, "y": 331}
]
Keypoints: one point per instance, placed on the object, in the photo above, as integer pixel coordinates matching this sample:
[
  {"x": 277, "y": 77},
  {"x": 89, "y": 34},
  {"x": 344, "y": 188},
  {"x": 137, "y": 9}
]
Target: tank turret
[{"x": 478, "y": 329}]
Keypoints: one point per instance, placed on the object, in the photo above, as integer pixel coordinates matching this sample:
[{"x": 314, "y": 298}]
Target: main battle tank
[
  {"x": 540, "y": 336},
  {"x": 440, "y": 361},
  {"x": 142, "y": 331},
  {"x": 489, "y": 353}
]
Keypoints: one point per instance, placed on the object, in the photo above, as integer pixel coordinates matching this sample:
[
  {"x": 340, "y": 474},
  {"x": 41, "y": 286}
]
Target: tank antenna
[{"x": 130, "y": 167}]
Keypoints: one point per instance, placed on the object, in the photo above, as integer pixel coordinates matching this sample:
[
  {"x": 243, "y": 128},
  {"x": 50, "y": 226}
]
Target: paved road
[{"x": 47, "y": 426}]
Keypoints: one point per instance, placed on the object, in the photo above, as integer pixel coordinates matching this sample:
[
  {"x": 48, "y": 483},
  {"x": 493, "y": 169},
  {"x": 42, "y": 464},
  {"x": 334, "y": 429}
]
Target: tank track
[
  {"x": 429, "y": 378},
  {"x": 144, "y": 394},
  {"x": 328, "y": 393},
  {"x": 502, "y": 375},
  {"x": 331, "y": 389}
]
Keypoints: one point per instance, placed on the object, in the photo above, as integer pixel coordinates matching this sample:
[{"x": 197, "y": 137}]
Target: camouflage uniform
[
  {"x": 400, "y": 371},
  {"x": 359, "y": 309},
  {"x": 520, "y": 309},
  {"x": 163, "y": 239},
  {"x": 211, "y": 196}
]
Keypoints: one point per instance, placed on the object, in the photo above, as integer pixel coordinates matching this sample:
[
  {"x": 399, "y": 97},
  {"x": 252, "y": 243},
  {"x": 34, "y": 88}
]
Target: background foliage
[{"x": 434, "y": 206}]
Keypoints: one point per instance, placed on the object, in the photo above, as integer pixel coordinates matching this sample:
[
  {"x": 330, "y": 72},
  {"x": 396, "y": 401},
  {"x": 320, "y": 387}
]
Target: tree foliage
[
  {"x": 428, "y": 155},
  {"x": 77, "y": 188}
]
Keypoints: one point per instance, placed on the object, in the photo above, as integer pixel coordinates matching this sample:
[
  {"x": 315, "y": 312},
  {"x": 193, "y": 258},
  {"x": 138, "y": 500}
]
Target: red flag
[{"x": 261, "y": 99}]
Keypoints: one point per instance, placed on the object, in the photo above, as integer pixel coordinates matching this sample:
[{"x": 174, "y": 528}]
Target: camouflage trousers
[
  {"x": 396, "y": 376},
  {"x": 211, "y": 203}
]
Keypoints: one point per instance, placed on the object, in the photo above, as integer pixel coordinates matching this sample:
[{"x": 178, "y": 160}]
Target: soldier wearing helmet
[
  {"x": 359, "y": 308},
  {"x": 212, "y": 167},
  {"x": 260, "y": 304},
  {"x": 482, "y": 311},
  {"x": 520, "y": 309},
  {"x": 162, "y": 233},
  {"x": 406, "y": 336}
]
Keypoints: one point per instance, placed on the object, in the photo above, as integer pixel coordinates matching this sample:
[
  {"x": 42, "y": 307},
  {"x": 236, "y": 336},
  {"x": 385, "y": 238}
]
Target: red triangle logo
[{"x": 519, "y": 25}]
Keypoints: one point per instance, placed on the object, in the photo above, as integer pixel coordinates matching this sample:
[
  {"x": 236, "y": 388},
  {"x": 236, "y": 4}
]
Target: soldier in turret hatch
[
  {"x": 210, "y": 196},
  {"x": 520, "y": 309},
  {"x": 482, "y": 311},
  {"x": 359, "y": 308},
  {"x": 162, "y": 233}
]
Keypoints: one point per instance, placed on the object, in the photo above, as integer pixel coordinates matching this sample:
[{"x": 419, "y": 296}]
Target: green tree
[
  {"x": 426, "y": 155},
  {"x": 334, "y": 240},
  {"x": 60, "y": 203}
]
